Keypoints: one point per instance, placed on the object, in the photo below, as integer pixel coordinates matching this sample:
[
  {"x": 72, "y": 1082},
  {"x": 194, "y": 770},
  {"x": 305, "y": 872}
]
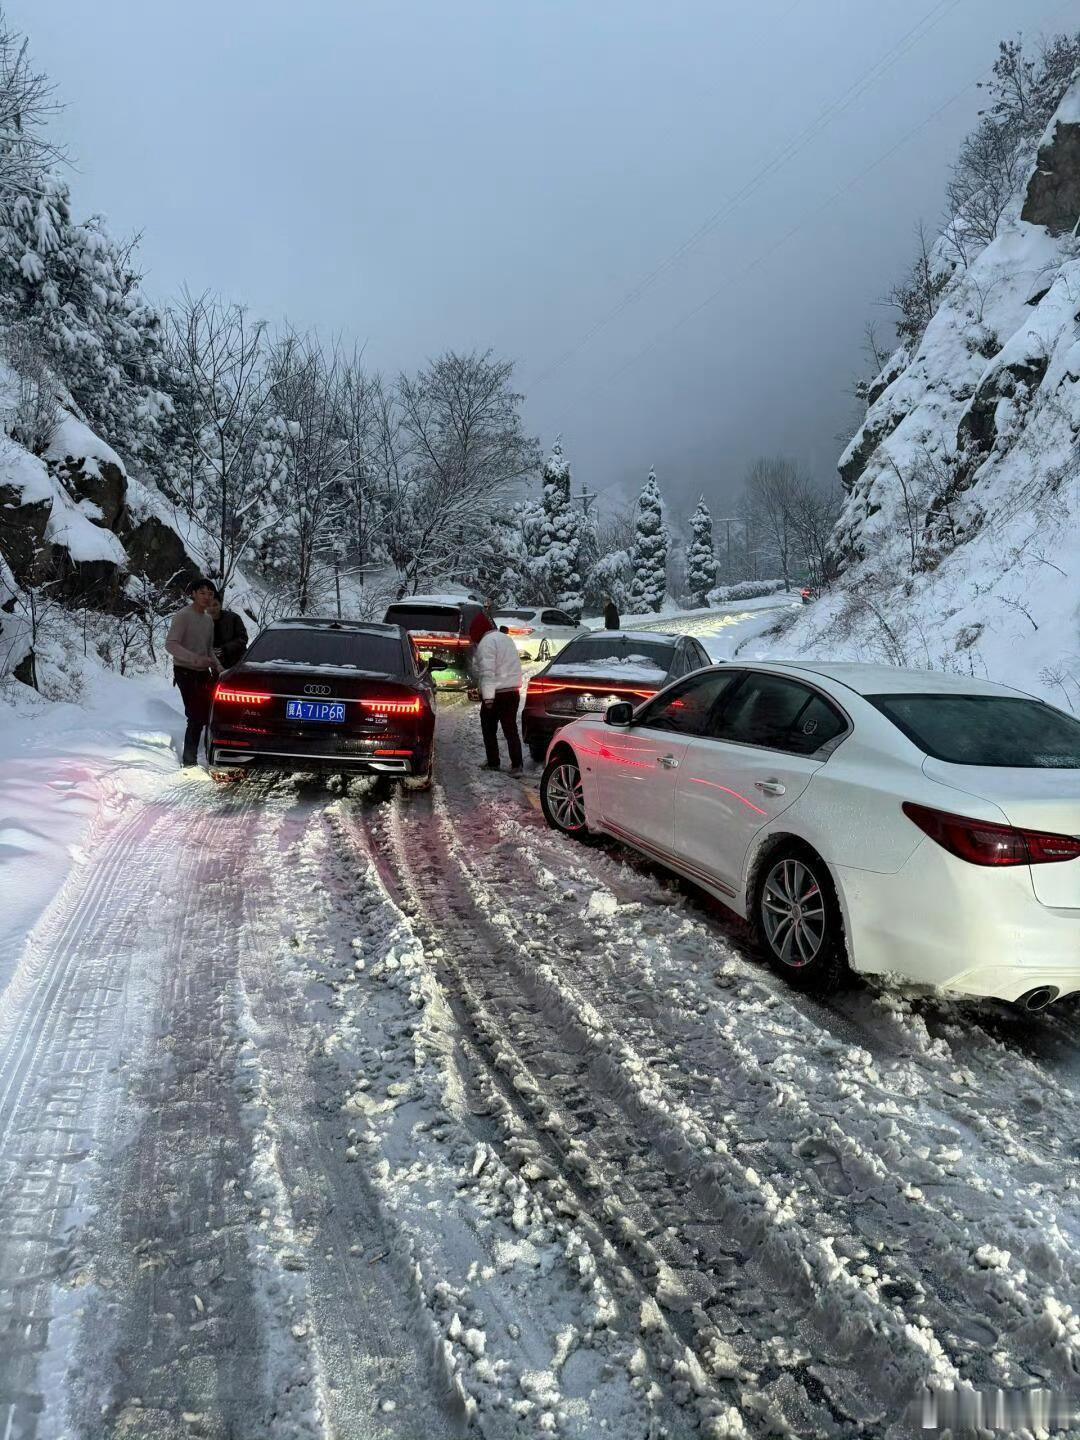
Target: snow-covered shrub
[{"x": 744, "y": 590}]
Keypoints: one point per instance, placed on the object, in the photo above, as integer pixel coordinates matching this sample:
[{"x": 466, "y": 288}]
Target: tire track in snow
[
  {"x": 62, "y": 1034},
  {"x": 644, "y": 1175},
  {"x": 195, "y": 1346},
  {"x": 357, "y": 1329},
  {"x": 1039, "y": 1324},
  {"x": 979, "y": 1299}
]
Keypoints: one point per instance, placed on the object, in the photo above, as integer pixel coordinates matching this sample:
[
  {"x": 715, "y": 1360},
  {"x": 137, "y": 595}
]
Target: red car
[
  {"x": 596, "y": 669},
  {"x": 326, "y": 695}
]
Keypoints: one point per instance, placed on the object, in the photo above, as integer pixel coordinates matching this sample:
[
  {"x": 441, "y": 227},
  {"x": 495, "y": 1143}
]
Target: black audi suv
[{"x": 335, "y": 695}]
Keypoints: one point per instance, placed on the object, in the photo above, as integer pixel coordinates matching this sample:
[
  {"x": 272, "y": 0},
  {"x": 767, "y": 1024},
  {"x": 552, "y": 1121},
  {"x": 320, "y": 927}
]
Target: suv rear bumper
[{"x": 233, "y": 760}]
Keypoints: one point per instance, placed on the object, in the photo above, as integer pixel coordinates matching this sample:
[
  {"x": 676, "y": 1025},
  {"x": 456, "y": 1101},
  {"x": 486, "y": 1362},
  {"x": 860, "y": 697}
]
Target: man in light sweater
[
  {"x": 497, "y": 666},
  {"x": 191, "y": 644}
]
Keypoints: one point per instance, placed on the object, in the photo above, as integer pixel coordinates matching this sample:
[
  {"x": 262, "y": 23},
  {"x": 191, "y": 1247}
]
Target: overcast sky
[{"x": 426, "y": 174}]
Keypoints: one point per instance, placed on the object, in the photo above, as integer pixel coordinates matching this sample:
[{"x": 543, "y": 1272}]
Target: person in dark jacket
[
  {"x": 611, "y": 615},
  {"x": 230, "y": 637},
  {"x": 195, "y": 666}
]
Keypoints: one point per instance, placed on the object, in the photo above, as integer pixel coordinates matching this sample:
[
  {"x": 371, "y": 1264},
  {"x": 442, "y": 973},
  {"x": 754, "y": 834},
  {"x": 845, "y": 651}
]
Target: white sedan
[
  {"x": 538, "y": 631},
  {"x": 901, "y": 822}
]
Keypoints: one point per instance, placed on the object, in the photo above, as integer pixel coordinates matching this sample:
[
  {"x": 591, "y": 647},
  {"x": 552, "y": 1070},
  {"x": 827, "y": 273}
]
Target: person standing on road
[
  {"x": 611, "y": 615},
  {"x": 230, "y": 636},
  {"x": 191, "y": 644},
  {"x": 498, "y": 673}
]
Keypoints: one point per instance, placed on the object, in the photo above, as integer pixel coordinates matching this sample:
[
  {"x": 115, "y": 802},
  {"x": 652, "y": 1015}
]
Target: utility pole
[
  {"x": 586, "y": 497},
  {"x": 727, "y": 521}
]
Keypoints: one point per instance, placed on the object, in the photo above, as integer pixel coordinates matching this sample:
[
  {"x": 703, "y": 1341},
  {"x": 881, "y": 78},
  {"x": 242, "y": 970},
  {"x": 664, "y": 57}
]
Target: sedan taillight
[
  {"x": 519, "y": 630},
  {"x": 981, "y": 842},
  {"x": 240, "y": 697}
]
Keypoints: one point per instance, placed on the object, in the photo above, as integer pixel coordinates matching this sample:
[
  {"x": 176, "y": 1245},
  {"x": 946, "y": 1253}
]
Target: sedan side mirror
[{"x": 621, "y": 713}]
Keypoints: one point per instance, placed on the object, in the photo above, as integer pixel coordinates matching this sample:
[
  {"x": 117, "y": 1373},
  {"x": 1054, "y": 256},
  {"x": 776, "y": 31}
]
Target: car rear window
[
  {"x": 516, "y": 614},
  {"x": 620, "y": 649},
  {"x": 378, "y": 654},
  {"x": 994, "y": 730},
  {"x": 433, "y": 618}
]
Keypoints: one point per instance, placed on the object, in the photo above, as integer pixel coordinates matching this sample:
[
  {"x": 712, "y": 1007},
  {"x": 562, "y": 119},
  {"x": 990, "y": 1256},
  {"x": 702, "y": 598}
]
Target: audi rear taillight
[
  {"x": 240, "y": 697},
  {"x": 981, "y": 842},
  {"x": 393, "y": 707}
]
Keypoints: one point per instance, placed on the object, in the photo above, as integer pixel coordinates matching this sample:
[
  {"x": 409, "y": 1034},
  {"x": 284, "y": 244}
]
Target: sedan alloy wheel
[
  {"x": 793, "y": 912},
  {"x": 798, "y": 920},
  {"x": 562, "y": 797}
]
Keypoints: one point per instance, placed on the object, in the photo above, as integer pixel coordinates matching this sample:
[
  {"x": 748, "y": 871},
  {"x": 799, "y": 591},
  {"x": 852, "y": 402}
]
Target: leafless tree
[
  {"x": 357, "y": 406},
  {"x": 309, "y": 492},
  {"x": 32, "y": 417},
  {"x": 814, "y": 510},
  {"x": 26, "y": 103},
  {"x": 771, "y": 491},
  {"x": 453, "y": 444},
  {"x": 983, "y": 181},
  {"x": 917, "y": 296},
  {"x": 220, "y": 355}
]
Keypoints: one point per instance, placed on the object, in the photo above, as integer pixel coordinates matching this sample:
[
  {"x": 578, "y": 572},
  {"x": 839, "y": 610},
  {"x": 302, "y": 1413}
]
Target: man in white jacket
[{"x": 498, "y": 674}]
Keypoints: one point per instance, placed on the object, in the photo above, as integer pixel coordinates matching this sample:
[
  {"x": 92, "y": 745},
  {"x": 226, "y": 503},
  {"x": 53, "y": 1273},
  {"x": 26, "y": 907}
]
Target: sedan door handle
[
  {"x": 770, "y": 787},
  {"x": 668, "y": 761}
]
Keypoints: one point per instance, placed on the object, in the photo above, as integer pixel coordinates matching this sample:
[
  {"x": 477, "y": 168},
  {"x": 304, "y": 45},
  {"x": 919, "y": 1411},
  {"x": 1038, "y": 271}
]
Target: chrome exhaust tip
[{"x": 1039, "y": 998}]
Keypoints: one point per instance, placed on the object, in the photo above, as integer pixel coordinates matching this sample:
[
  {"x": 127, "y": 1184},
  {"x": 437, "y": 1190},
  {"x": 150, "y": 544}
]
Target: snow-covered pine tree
[
  {"x": 76, "y": 287},
  {"x": 560, "y": 540},
  {"x": 650, "y": 551},
  {"x": 700, "y": 558}
]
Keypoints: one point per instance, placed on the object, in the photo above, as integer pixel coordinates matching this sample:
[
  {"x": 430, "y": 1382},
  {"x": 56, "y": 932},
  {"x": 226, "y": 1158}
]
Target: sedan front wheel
[
  {"x": 562, "y": 798},
  {"x": 798, "y": 922}
]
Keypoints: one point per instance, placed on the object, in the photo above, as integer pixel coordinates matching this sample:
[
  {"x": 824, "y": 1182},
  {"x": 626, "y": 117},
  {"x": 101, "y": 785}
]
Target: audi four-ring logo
[{"x": 316, "y": 689}]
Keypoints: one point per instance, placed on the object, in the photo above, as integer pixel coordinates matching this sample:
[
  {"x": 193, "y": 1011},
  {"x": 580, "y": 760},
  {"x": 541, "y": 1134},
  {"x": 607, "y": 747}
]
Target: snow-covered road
[{"x": 327, "y": 1115}]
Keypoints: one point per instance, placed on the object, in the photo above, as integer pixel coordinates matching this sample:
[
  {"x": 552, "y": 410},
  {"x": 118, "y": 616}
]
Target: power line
[
  {"x": 907, "y": 41},
  {"x": 794, "y": 230}
]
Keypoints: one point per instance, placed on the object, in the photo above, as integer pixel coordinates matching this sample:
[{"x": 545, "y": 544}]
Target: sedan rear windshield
[
  {"x": 516, "y": 614},
  {"x": 433, "y": 618},
  {"x": 345, "y": 649},
  {"x": 986, "y": 730},
  {"x": 618, "y": 649}
]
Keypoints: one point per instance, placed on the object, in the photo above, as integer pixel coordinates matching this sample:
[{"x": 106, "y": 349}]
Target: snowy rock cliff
[
  {"x": 957, "y": 539},
  {"x": 78, "y": 531}
]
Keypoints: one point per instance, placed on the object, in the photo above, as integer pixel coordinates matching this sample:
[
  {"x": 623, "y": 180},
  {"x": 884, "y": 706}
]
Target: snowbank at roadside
[{"x": 67, "y": 770}]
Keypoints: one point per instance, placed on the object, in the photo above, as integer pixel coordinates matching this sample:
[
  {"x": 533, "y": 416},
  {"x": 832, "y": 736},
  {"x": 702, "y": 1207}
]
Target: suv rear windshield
[
  {"x": 352, "y": 649},
  {"x": 986, "y": 730},
  {"x": 426, "y": 618},
  {"x": 618, "y": 648}
]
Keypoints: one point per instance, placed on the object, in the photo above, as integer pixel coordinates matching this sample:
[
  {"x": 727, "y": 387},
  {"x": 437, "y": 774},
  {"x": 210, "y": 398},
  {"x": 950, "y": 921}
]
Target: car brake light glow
[
  {"x": 393, "y": 707},
  {"x": 406, "y": 753},
  {"x": 981, "y": 842},
  {"x": 548, "y": 687},
  {"x": 519, "y": 629},
  {"x": 241, "y": 697}
]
